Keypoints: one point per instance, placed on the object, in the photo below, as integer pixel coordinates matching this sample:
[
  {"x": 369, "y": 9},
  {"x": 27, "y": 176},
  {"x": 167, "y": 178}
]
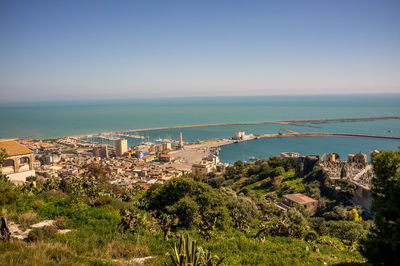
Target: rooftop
[
  {"x": 299, "y": 198},
  {"x": 13, "y": 148}
]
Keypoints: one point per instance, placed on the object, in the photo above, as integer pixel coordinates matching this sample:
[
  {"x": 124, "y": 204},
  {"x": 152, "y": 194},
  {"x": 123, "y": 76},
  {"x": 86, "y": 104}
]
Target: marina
[{"x": 288, "y": 122}]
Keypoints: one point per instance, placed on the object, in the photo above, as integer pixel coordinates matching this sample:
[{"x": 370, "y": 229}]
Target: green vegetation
[
  {"x": 233, "y": 216},
  {"x": 383, "y": 243},
  {"x": 70, "y": 151},
  {"x": 189, "y": 253}
]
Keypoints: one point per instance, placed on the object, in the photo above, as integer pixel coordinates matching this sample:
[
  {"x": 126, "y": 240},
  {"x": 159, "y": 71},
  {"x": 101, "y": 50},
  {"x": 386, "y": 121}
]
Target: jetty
[
  {"x": 287, "y": 122},
  {"x": 297, "y": 134}
]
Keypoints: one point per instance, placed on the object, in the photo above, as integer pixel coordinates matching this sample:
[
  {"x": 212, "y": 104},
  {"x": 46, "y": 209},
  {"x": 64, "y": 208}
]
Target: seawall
[{"x": 293, "y": 122}]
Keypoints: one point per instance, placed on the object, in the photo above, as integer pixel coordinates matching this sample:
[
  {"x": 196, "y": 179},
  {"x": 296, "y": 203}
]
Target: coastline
[
  {"x": 193, "y": 153},
  {"x": 286, "y": 122}
]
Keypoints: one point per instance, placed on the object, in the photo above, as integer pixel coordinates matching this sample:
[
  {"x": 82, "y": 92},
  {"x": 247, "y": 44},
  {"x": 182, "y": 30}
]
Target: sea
[{"x": 69, "y": 118}]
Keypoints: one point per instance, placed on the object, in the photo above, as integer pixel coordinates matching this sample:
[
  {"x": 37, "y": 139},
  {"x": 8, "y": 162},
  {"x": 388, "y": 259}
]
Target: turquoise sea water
[
  {"x": 264, "y": 148},
  {"x": 55, "y": 119}
]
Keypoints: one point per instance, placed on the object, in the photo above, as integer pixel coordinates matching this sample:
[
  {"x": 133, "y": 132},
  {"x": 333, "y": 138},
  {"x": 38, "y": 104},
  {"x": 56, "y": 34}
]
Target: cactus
[{"x": 189, "y": 253}]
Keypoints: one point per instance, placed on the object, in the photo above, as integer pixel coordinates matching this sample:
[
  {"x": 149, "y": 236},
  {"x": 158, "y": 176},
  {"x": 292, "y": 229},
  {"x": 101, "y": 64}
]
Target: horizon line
[{"x": 195, "y": 96}]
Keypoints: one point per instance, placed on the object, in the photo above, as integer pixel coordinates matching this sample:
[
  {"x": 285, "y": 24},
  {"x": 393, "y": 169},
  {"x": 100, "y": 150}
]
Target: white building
[
  {"x": 290, "y": 155},
  {"x": 241, "y": 135},
  {"x": 19, "y": 163}
]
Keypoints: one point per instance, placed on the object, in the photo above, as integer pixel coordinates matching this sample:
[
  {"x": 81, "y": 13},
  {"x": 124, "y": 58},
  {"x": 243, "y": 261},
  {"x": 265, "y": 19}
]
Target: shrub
[
  {"x": 27, "y": 219},
  {"x": 278, "y": 171},
  {"x": 123, "y": 249},
  {"x": 102, "y": 201},
  {"x": 311, "y": 236},
  {"x": 36, "y": 204},
  {"x": 319, "y": 225},
  {"x": 354, "y": 216},
  {"x": 190, "y": 201},
  {"x": 277, "y": 182},
  {"x": 189, "y": 253},
  {"x": 347, "y": 230},
  {"x": 43, "y": 233},
  {"x": 8, "y": 191},
  {"x": 59, "y": 222},
  {"x": 59, "y": 253}
]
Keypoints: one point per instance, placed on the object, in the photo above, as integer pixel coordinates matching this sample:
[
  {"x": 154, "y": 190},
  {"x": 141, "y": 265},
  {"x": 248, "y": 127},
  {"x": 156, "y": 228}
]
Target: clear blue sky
[{"x": 100, "y": 49}]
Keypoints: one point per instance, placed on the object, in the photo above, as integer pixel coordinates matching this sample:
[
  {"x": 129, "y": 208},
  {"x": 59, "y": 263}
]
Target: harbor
[
  {"x": 194, "y": 151},
  {"x": 287, "y": 122}
]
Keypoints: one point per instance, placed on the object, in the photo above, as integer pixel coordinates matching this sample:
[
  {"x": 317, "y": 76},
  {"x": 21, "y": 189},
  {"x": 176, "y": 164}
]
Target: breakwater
[
  {"x": 297, "y": 134},
  {"x": 287, "y": 122}
]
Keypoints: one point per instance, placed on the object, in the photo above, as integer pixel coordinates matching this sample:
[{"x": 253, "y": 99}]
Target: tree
[
  {"x": 192, "y": 203},
  {"x": 276, "y": 182},
  {"x": 343, "y": 173},
  {"x": 186, "y": 209},
  {"x": 8, "y": 191},
  {"x": 354, "y": 216},
  {"x": 383, "y": 243},
  {"x": 278, "y": 171},
  {"x": 166, "y": 221},
  {"x": 129, "y": 223},
  {"x": 3, "y": 156}
]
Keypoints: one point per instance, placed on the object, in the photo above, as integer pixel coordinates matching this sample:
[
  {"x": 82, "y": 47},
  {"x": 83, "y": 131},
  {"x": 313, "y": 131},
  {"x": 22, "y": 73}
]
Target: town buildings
[
  {"x": 180, "y": 140},
  {"x": 286, "y": 155},
  {"x": 121, "y": 146},
  {"x": 101, "y": 151}
]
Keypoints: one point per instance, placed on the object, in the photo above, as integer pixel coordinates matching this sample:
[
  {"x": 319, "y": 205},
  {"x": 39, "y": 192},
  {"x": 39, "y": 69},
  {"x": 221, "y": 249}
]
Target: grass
[
  {"x": 290, "y": 184},
  {"x": 95, "y": 239},
  {"x": 71, "y": 151},
  {"x": 261, "y": 187},
  {"x": 25, "y": 220},
  {"x": 238, "y": 249},
  {"x": 41, "y": 253}
]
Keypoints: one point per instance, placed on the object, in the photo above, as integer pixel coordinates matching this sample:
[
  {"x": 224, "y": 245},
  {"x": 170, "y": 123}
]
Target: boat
[
  {"x": 112, "y": 138},
  {"x": 136, "y": 136},
  {"x": 252, "y": 158}
]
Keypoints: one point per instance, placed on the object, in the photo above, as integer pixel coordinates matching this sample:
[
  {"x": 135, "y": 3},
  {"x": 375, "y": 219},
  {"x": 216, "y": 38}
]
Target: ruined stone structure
[
  {"x": 358, "y": 158},
  {"x": 331, "y": 157},
  {"x": 357, "y": 170}
]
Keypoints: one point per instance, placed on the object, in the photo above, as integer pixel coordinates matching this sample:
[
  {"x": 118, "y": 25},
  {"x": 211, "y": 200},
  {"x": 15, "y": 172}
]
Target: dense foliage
[
  {"x": 232, "y": 215},
  {"x": 193, "y": 203},
  {"x": 383, "y": 244}
]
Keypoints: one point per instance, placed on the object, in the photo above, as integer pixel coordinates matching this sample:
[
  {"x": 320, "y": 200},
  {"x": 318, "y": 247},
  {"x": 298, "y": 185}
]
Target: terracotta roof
[
  {"x": 299, "y": 198},
  {"x": 145, "y": 186},
  {"x": 14, "y": 148},
  {"x": 166, "y": 155}
]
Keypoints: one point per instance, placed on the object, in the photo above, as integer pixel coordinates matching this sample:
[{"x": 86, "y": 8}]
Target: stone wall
[{"x": 359, "y": 173}]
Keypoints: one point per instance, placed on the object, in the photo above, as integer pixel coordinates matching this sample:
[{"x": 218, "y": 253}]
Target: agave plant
[{"x": 189, "y": 253}]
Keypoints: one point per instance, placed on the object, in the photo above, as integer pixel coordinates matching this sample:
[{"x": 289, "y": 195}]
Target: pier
[
  {"x": 297, "y": 134},
  {"x": 288, "y": 122}
]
